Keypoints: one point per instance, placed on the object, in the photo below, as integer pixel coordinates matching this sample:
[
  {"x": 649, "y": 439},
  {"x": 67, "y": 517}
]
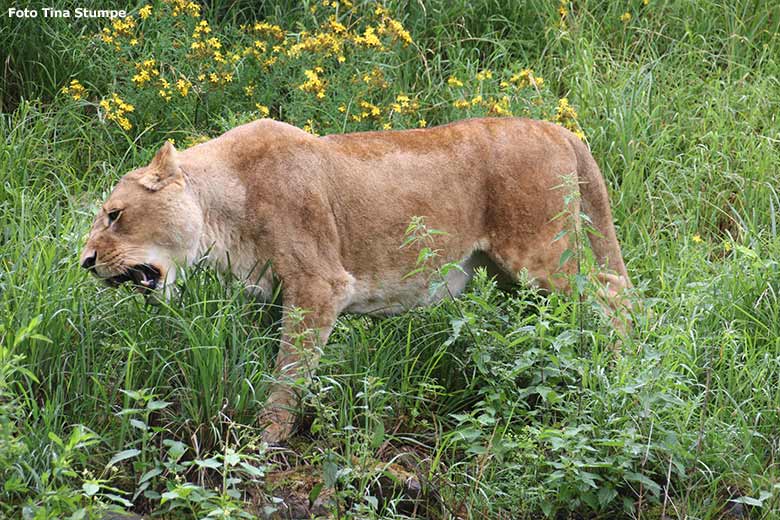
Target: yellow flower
[
  {"x": 422, "y": 123},
  {"x": 526, "y": 78},
  {"x": 476, "y": 100},
  {"x": 76, "y": 90},
  {"x": 115, "y": 109},
  {"x": 397, "y": 31},
  {"x": 625, "y": 17},
  {"x": 727, "y": 246},
  {"x": 454, "y": 82},
  {"x": 267, "y": 29},
  {"x": 145, "y": 11},
  {"x": 264, "y": 111},
  {"x": 404, "y": 105},
  {"x": 249, "y": 90},
  {"x": 313, "y": 84},
  {"x": 461, "y": 103},
  {"x": 369, "y": 110},
  {"x": 485, "y": 74},
  {"x": 696, "y": 239},
  {"x": 183, "y": 86},
  {"x": 309, "y": 127}
]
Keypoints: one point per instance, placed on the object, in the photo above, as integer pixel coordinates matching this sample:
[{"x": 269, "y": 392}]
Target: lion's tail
[{"x": 595, "y": 204}]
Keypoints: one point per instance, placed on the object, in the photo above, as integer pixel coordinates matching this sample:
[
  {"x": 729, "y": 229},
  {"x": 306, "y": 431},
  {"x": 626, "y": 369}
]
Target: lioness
[{"x": 329, "y": 214}]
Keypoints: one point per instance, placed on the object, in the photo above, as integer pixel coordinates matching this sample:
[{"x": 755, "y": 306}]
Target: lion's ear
[{"x": 163, "y": 170}]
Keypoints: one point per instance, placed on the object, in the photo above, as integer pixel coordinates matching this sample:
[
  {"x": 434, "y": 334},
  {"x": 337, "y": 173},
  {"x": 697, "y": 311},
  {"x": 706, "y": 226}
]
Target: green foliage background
[{"x": 513, "y": 404}]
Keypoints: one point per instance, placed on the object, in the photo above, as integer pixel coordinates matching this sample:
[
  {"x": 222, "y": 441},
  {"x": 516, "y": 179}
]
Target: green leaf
[
  {"x": 565, "y": 257},
  {"x": 149, "y": 475},
  {"x": 642, "y": 479},
  {"x": 606, "y": 494},
  {"x": 157, "y": 405},
  {"x": 378, "y": 436},
  {"x": 315, "y": 492},
  {"x": 90, "y": 488},
  {"x": 252, "y": 470},
  {"x": 119, "y": 500},
  {"x": 208, "y": 463},
  {"x": 56, "y": 439},
  {"x": 123, "y": 455},
  {"x": 330, "y": 473},
  {"x": 139, "y": 424}
]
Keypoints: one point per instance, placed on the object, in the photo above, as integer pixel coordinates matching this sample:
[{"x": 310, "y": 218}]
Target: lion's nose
[{"x": 88, "y": 260}]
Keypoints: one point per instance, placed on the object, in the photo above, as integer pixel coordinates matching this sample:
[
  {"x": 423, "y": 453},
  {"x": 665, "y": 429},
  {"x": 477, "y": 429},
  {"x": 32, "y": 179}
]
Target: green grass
[{"x": 506, "y": 404}]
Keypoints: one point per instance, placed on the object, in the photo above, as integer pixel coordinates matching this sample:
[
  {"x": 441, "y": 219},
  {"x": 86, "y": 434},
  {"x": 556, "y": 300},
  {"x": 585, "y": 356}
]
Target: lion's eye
[{"x": 113, "y": 215}]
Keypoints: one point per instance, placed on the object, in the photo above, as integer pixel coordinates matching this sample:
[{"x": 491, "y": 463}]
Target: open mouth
[{"x": 145, "y": 277}]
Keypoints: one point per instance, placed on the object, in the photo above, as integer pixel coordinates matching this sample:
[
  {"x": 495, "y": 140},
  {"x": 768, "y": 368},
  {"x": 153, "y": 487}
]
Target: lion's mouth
[{"x": 145, "y": 277}]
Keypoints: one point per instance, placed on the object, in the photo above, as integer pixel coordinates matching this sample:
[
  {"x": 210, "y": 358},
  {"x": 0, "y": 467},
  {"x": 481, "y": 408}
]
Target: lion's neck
[{"x": 221, "y": 243}]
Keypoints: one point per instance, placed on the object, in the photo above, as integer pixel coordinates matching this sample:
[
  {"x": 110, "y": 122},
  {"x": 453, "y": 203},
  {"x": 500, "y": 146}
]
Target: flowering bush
[{"x": 175, "y": 71}]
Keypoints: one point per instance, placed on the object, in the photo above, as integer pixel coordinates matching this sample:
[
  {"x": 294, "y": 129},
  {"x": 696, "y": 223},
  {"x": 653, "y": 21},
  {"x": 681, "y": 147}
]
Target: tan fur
[{"x": 330, "y": 213}]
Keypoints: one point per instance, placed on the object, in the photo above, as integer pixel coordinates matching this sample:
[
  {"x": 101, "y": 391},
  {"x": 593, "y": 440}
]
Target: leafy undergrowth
[{"x": 499, "y": 404}]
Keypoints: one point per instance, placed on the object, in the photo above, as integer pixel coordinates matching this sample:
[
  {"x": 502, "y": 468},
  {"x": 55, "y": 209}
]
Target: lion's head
[{"x": 150, "y": 223}]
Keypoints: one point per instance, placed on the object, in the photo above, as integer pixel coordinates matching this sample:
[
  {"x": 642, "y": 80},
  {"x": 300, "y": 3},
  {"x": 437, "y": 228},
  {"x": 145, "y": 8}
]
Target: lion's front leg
[{"x": 311, "y": 308}]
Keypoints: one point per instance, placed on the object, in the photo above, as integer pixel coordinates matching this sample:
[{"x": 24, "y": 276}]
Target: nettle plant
[
  {"x": 172, "y": 476},
  {"x": 537, "y": 363}
]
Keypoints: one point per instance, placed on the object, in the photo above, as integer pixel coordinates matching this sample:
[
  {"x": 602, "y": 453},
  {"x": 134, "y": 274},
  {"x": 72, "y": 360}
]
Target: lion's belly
[{"x": 391, "y": 293}]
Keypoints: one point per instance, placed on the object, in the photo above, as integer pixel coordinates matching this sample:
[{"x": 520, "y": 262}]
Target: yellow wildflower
[
  {"x": 115, "y": 109},
  {"x": 76, "y": 90},
  {"x": 375, "y": 78},
  {"x": 369, "y": 38},
  {"x": 499, "y": 107},
  {"x": 369, "y": 110},
  {"x": 397, "y": 31},
  {"x": 145, "y": 11},
  {"x": 696, "y": 239},
  {"x": 404, "y": 105},
  {"x": 267, "y": 29},
  {"x": 313, "y": 84},
  {"x": 461, "y": 103},
  {"x": 454, "y": 82},
  {"x": 309, "y": 127},
  {"x": 526, "y": 78},
  {"x": 183, "y": 86},
  {"x": 264, "y": 111},
  {"x": 422, "y": 123},
  {"x": 625, "y": 17},
  {"x": 485, "y": 74}
]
